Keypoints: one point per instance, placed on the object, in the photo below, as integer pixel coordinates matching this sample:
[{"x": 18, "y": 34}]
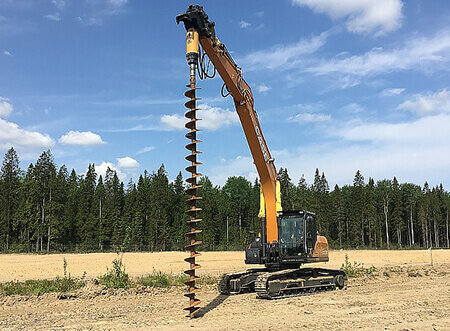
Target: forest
[{"x": 47, "y": 208}]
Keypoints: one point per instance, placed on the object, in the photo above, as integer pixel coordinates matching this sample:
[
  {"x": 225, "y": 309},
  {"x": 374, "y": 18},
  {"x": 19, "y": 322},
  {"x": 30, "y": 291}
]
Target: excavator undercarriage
[{"x": 282, "y": 283}]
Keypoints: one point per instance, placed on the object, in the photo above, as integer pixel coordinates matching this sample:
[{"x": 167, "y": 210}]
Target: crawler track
[{"x": 279, "y": 284}]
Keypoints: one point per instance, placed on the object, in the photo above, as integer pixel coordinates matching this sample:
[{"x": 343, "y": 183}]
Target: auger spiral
[{"x": 193, "y": 210}]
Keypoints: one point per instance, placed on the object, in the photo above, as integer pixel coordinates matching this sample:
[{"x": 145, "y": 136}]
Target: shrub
[
  {"x": 115, "y": 277},
  {"x": 356, "y": 269}
]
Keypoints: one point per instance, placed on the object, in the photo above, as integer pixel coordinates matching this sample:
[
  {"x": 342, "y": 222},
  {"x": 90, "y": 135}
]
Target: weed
[
  {"x": 115, "y": 277},
  {"x": 356, "y": 269},
  {"x": 41, "y": 286},
  {"x": 161, "y": 279}
]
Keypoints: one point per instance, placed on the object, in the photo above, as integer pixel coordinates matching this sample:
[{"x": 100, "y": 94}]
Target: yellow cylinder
[{"x": 192, "y": 42}]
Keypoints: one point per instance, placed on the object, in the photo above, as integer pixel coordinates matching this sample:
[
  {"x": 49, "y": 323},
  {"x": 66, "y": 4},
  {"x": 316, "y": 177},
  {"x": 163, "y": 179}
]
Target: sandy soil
[
  {"x": 406, "y": 294},
  {"x": 29, "y": 266}
]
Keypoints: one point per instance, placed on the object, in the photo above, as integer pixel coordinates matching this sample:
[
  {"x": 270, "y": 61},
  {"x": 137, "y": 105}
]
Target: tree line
[{"x": 46, "y": 208}]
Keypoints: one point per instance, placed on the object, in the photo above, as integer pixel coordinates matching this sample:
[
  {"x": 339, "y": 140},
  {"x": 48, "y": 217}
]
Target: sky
[{"x": 339, "y": 86}]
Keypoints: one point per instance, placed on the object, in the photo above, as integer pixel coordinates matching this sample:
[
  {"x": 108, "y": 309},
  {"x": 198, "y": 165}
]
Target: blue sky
[{"x": 338, "y": 85}]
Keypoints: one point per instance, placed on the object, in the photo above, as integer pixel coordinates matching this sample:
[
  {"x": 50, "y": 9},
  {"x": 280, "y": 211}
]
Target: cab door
[{"x": 310, "y": 234}]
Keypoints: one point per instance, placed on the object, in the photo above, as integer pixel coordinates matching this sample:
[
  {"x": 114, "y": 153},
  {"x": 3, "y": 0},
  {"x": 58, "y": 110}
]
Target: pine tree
[
  {"x": 113, "y": 225},
  {"x": 45, "y": 173},
  {"x": 87, "y": 222},
  {"x": 357, "y": 214},
  {"x": 9, "y": 194},
  {"x": 237, "y": 192},
  {"x": 338, "y": 215},
  {"x": 287, "y": 190},
  {"x": 71, "y": 237},
  {"x": 99, "y": 205},
  {"x": 384, "y": 193},
  {"x": 26, "y": 213},
  {"x": 178, "y": 215},
  {"x": 426, "y": 208},
  {"x": 397, "y": 208},
  {"x": 411, "y": 194},
  {"x": 371, "y": 212},
  {"x": 130, "y": 240},
  {"x": 60, "y": 200}
]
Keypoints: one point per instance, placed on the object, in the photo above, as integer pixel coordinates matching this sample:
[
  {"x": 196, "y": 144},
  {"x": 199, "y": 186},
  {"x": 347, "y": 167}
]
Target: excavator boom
[{"x": 195, "y": 18}]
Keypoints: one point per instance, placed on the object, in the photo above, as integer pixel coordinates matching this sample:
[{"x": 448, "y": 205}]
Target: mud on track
[{"x": 406, "y": 294}]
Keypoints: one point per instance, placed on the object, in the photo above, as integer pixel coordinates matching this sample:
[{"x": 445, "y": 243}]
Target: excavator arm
[{"x": 196, "y": 21}]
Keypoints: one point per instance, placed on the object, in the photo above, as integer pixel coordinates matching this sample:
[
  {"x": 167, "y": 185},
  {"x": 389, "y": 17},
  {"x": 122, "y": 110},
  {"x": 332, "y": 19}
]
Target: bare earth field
[{"x": 405, "y": 294}]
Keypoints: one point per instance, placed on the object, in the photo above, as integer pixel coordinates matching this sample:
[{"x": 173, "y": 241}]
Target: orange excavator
[{"x": 288, "y": 239}]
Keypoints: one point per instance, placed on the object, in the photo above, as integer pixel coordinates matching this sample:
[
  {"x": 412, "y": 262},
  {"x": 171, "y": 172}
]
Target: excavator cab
[
  {"x": 298, "y": 242},
  {"x": 292, "y": 235}
]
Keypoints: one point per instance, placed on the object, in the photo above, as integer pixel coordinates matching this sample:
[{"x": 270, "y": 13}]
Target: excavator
[{"x": 288, "y": 239}]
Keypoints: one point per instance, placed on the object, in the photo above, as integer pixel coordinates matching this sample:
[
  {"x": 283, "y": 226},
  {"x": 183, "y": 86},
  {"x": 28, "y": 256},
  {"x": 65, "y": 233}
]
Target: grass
[
  {"x": 356, "y": 269},
  {"x": 42, "y": 286},
  {"x": 162, "y": 279},
  {"x": 117, "y": 276}
]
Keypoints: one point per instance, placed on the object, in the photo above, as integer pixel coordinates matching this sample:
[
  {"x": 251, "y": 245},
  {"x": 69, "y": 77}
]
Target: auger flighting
[{"x": 192, "y": 53}]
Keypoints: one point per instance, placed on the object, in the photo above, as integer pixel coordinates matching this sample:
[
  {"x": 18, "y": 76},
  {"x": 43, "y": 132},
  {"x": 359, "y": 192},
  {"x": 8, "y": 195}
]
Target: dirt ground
[
  {"x": 29, "y": 266},
  {"x": 405, "y": 294}
]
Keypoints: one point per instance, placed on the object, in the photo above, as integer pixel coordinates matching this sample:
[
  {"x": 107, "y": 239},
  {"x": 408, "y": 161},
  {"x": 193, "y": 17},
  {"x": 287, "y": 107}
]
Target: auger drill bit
[{"x": 191, "y": 125}]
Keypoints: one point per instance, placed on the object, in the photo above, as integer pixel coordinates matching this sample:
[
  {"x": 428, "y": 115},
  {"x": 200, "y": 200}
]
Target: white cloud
[
  {"x": 429, "y": 104},
  {"x": 7, "y": 53},
  {"x": 5, "y": 107},
  {"x": 263, "y": 88},
  {"x": 23, "y": 140},
  {"x": 60, "y": 4},
  {"x": 352, "y": 108},
  {"x": 99, "y": 11},
  {"x": 243, "y": 24},
  {"x": 283, "y": 56},
  {"x": 425, "y": 130},
  {"x": 101, "y": 170},
  {"x": 413, "y": 151},
  {"x": 212, "y": 118},
  {"x": 127, "y": 163},
  {"x": 145, "y": 150},
  {"x": 53, "y": 17},
  {"x": 78, "y": 138},
  {"x": 362, "y": 16},
  {"x": 174, "y": 121},
  {"x": 389, "y": 92},
  {"x": 239, "y": 166},
  {"x": 310, "y": 117},
  {"x": 415, "y": 54}
]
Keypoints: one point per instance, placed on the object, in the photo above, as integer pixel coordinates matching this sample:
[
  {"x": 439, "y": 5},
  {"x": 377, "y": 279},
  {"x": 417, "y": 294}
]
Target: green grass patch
[
  {"x": 117, "y": 276},
  {"x": 356, "y": 269},
  {"x": 41, "y": 286},
  {"x": 163, "y": 279}
]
